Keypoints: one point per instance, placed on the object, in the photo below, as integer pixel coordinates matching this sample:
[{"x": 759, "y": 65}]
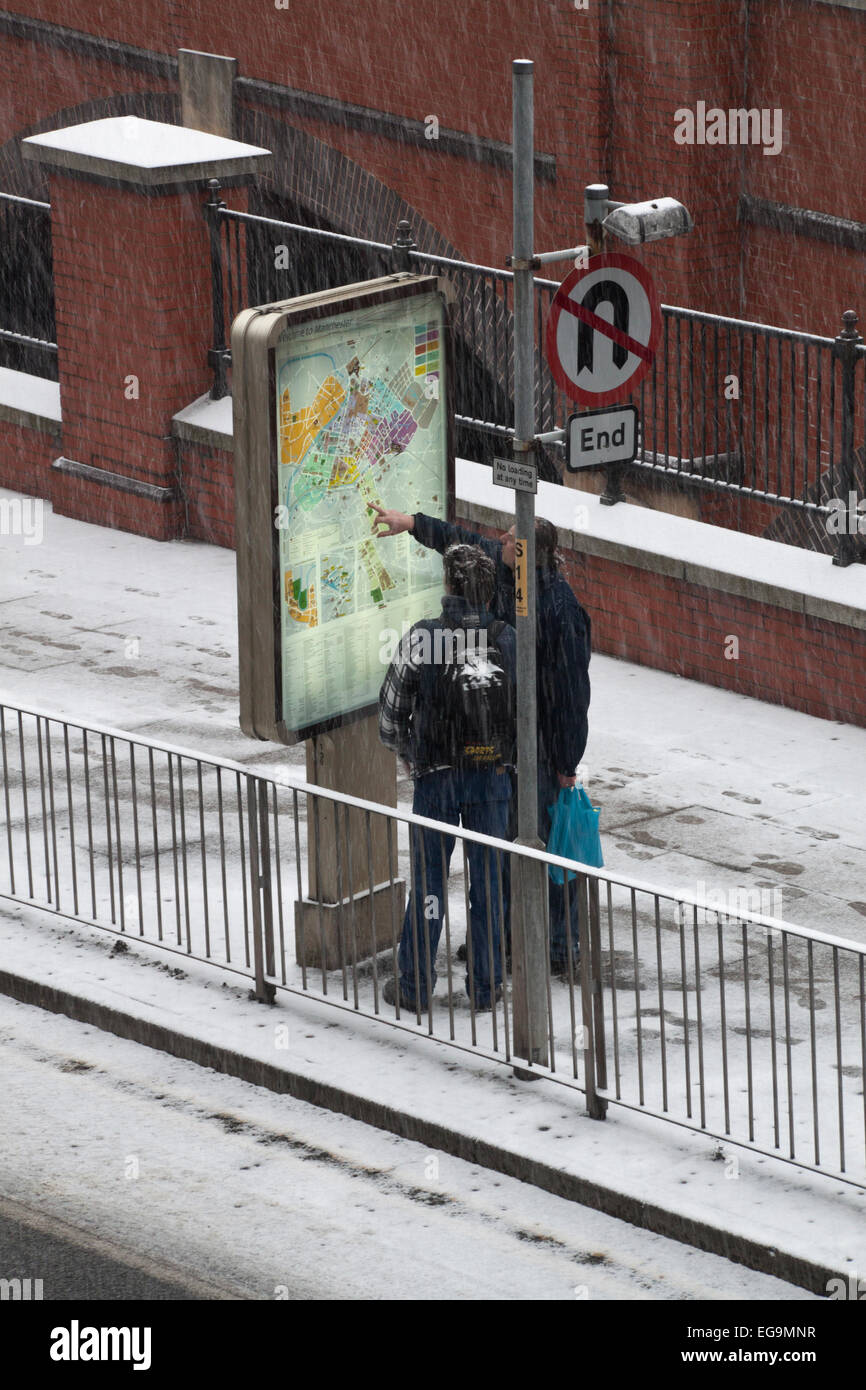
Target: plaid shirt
[{"x": 399, "y": 693}]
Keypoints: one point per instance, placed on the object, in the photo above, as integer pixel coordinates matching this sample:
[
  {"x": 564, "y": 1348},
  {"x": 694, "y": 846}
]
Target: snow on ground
[
  {"x": 809, "y": 1216},
  {"x": 702, "y": 790},
  {"x": 755, "y": 1059},
  {"x": 697, "y": 785},
  {"x": 265, "y": 1196}
]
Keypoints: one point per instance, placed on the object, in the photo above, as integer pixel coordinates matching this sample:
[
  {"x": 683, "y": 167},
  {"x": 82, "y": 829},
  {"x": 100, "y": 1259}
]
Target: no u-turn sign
[{"x": 603, "y": 328}]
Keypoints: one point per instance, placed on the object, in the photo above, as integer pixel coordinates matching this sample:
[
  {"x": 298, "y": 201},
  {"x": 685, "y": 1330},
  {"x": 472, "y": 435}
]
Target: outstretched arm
[
  {"x": 438, "y": 535},
  {"x": 431, "y": 532}
]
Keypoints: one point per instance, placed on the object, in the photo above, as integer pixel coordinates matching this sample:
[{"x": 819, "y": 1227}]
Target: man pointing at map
[{"x": 562, "y": 670}]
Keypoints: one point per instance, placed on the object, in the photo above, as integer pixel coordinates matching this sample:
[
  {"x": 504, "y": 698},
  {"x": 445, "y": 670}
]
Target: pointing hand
[{"x": 394, "y": 522}]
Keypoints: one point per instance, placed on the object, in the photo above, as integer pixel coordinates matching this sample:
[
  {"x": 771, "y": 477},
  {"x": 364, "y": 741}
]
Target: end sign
[{"x": 599, "y": 437}]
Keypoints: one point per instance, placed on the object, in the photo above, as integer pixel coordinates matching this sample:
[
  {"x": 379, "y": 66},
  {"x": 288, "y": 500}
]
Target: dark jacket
[
  {"x": 564, "y": 644},
  {"x": 409, "y": 720}
]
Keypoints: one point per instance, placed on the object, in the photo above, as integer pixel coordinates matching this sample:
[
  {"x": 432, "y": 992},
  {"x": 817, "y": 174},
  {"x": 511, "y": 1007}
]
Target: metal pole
[
  {"x": 217, "y": 354},
  {"x": 530, "y": 965},
  {"x": 403, "y": 243},
  {"x": 595, "y": 208},
  {"x": 264, "y": 991},
  {"x": 845, "y": 348}
]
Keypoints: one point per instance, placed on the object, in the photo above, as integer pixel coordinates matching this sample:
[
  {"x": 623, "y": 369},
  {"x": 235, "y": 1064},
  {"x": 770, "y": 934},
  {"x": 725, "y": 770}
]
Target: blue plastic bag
[{"x": 574, "y": 832}]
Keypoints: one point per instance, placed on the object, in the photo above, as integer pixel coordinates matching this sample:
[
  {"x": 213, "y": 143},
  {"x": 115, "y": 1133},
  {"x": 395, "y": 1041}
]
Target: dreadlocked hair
[{"x": 470, "y": 573}]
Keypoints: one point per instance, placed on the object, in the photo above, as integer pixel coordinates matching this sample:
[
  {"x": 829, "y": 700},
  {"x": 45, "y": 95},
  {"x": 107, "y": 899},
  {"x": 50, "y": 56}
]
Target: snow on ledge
[
  {"x": 630, "y": 531},
  {"x": 32, "y": 395},
  {"x": 694, "y": 544},
  {"x": 211, "y": 421},
  {"x": 142, "y": 151}
]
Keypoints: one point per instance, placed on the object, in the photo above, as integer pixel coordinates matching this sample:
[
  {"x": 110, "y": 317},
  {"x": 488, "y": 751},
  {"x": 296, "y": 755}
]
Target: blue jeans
[{"x": 480, "y": 800}]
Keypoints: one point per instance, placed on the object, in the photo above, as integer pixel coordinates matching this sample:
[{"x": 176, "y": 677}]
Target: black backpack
[{"x": 474, "y": 701}]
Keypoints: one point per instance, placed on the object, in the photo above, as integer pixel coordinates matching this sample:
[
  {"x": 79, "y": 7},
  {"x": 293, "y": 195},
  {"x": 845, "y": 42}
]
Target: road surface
[{"x": 128, "y": 1174}]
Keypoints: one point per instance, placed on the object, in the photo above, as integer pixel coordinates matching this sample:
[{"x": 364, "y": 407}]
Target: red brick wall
[
  {"x": 786, "y": 658},
  {"x": 802, "y": 283},
  {"x": 39, "y": 80},
  {"x": 208, "y": 485},
  {"x": 26, "y": 456},
  {"x": 608, "y": 80},
  {"x": 133, "y": 299},
  {"x": 668, "y": 55},
  {"x": 132, "y": 278},
  {"x": 810, "y": 60}
]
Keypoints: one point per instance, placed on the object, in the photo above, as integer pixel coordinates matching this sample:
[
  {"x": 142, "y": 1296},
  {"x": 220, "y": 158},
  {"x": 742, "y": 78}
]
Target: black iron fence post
[
  {"x": 594, "y": 1057},
  {"x": 260, "y": 892},
  {"x": 403, "y": 243},
  {"x": 217, "y": 355},
  {"x": 845, "y": 348}
]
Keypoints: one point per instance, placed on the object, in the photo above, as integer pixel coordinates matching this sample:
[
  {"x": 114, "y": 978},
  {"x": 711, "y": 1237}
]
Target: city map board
[{"x": 360, "y": 416}]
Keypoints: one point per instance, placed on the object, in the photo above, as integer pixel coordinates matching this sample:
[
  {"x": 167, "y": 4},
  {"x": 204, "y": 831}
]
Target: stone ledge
[
  {"x": 209, "y": 423},
  {"x": 150, "y": 492},
  {"x": 29, "y": 402},
  {"x": 705, "y": 576},
  {"x": 29, "y": 420}
]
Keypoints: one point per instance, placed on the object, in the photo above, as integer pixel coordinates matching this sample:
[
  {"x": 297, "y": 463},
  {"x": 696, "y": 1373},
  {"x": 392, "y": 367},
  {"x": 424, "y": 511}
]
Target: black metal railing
[
  {"x": 692, "y": 1008},
  {"x": 770, "y": 416},
  {"x": 27, "y": 324}
]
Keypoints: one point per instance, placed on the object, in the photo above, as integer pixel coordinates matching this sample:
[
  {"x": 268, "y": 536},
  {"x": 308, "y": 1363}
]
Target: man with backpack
[
  {"x": 447, "y": 708},
  {"x": 563, "y": 649}
]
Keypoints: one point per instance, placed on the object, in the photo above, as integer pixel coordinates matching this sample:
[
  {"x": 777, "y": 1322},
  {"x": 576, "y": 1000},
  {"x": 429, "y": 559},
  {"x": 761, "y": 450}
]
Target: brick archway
[{"x": 334, "y": 189}]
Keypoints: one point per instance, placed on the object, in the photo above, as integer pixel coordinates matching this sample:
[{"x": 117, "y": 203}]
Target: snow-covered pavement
[
  {"x": 266, "y": 1197},
  {"x": 701, "y": 789}
]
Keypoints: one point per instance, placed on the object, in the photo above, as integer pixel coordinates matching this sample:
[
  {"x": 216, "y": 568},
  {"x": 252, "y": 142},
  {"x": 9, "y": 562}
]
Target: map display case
[{"x": 341, "y": 401}]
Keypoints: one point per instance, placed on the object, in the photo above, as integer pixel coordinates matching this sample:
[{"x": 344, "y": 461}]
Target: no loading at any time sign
[{"x": 602, "y": 330}]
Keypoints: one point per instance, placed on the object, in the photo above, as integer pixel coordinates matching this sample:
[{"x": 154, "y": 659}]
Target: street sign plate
[
  {"x": 602, "y": 330},
  {"x": 599, "y": 437},
  {"x": 522, "y": 477}
]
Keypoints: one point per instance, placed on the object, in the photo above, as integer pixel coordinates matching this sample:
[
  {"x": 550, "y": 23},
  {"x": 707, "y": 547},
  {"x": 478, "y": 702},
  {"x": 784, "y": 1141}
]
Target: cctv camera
[{"x": 637, "y": 222}]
